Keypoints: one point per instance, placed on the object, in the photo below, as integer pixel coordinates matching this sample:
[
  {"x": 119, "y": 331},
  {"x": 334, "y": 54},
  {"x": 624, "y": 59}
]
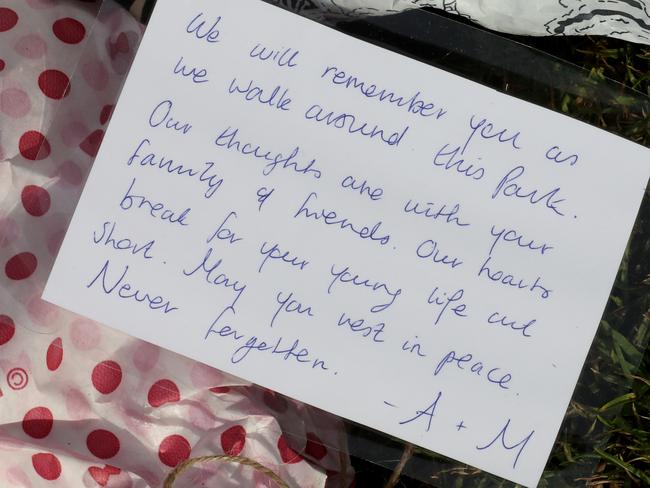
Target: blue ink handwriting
[
  {"x": 501, "y": 437},
  {"x": 509, "y": 186},
  {"x": 449, "y": 160},
  {"x": 511, "y": 235},
  {"x": 427, "y": 412},
  {"x": 197, "y": 75},
  {"x": 122, "y": 244},
  {"x": 555, "y": 154},
  {"x": 127, "y": 291},
  {"x": 330, "y": 217},
  {"x": 197, "y": 26},
  {"x": 414, "y": 105},
  {"x": 274, "y": 252},
  {"x": 253, "y": 92},
  {"x": 212, "y": 274},
  {"x": 156, "y": 210},
  {"x": 508, "y": 279},
  {"x": 282, "y": 57},
  {"x": 429, "y": 249},
  {"x": 429, "y": 211},
  {"x": 228, "y": 139},
  {"x": 414, "y": 347},
  {"x": 350, "y": 123},
  {"x": 445, "y": 301},
  {"x": 360, "y": 326},
  {"x": 344, "y": 275},
  {"x": 162, "y": 114},
  {"x": 487, "y": 131},
  {"x": 207, "y": 176},
  {"x": 224, "y": 233},
  {"x": 502, "y": 319},
  {"x": 263, "y": 194},
  {"x": 289, "y": 305},
  {"x": 374, "y": 194},
  {"x": 475, "y": 368}
]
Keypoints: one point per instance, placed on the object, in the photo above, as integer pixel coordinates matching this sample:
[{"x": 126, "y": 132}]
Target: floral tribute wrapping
[{"x": 82, "y": 405}]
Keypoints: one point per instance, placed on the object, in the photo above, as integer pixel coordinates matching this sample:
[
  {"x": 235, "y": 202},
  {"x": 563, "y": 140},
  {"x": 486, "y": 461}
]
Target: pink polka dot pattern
[
  {"x": 106, "y": 377},
  {"x": 54, "y": 356},
  {"x": 90, "y": 145},
  {"x": 41, "y": 312},
  {"x": 288, "y": 455},
  {"x": 36, "y": 200},
  {"x": 73, "y": 133},
  {"x": 85, "y": 334},
  {"x": 21, "y": 266},
  {"x": 204, "y": 376},
  {"x": 7, "y": 329},
  {"x": 9, "y": 231},
  {"x": 15, "y": 103},
  {"x": 233, "y": 440},
  {"x": 38, "y": 422},
  {"x": 162, "y": 392},
  {"x": 174, "y": 450},
  {"x": 54, "y": 241},
  {"x": 95, "y": 74},
  {"x": 31, "y": 46},
  {"x": 69, "y": 30},
  {"x": 145, "y": 356},
  {"x": 34, "y": 146},
  {"x": 8, "y": 19},
  {"x": 70, "y": 173},
  {"x": 103, "y": 444},
  {"x": 76, "y": 404},
  {"x": 81, "y": 395},
  {"x": 54, "y": 83},
  {"x": 47, "y": 466}
]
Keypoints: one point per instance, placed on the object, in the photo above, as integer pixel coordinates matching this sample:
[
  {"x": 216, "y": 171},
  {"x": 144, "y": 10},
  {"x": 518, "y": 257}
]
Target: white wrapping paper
[{"x": 625, "y": 19}]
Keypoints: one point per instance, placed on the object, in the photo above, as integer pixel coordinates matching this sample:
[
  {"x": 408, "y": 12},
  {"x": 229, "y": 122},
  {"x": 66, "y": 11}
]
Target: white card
[{"x": 352, "y": 228}]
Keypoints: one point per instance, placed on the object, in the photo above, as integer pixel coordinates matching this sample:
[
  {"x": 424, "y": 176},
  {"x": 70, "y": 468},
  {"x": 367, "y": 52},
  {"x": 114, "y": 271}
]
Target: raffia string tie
[{"x": 244, "y": 461}]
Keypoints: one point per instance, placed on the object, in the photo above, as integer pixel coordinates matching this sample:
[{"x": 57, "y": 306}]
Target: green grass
[{"x": 604, "y": 440}]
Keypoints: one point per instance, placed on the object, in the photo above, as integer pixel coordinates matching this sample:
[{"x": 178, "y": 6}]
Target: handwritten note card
[{"x": 355, "y": 229}]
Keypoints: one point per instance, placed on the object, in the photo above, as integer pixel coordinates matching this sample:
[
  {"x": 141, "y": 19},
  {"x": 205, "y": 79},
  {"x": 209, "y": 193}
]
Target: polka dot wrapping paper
[{"x": 82, "y": 405}]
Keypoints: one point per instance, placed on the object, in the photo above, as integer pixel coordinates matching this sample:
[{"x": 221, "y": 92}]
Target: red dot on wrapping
[
  {"x": 233, "y": 440},
  {"x": 315, "y": 447},
  {"x": 47, "y": 466},
  {"x": 173, "y": 450},
  {"x": 90, "y": 145},
  {"x": 7, "y": 329},
  {"x": 220, "y": 389},
  {"x": 38, "y": 422},
  {"x": 8, "y": 19},
  {"x": 106, "y": 377},
  {"x": 2, "y": 64},
  {"x": 106, "y": 113},
  {"x": 69, "y": 30},
  {"x": 54, "y": 83},
  {"x": 36, "y": 200},
  {"x": 163, "y": 391},
  {"x": 275, "y": 401},
  {"x": 54, "y": 354},
  {"x": 34, "y": 146},
  {"x": 103, "y": 444},
  {"x": 102, "y": 475},
  {"x": 288, "y": 455},
  {"x": 21, "y": 266}
]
